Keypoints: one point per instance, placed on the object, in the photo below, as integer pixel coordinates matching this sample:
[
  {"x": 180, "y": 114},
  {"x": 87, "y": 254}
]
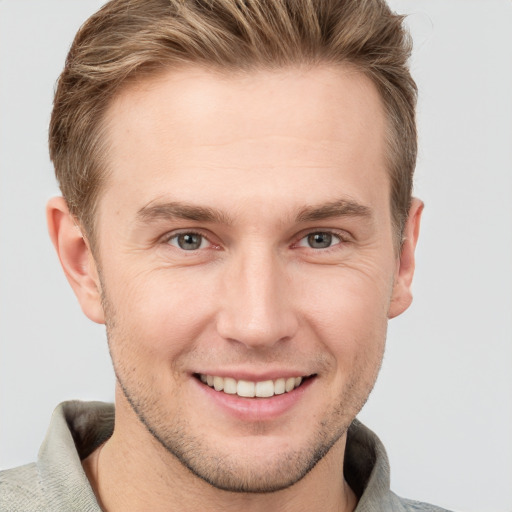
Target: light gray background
[{"x": 443, "y": 402}]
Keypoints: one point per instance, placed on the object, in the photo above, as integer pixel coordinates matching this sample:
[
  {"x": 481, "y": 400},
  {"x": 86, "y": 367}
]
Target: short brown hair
[{"x": 128, "y": 39}]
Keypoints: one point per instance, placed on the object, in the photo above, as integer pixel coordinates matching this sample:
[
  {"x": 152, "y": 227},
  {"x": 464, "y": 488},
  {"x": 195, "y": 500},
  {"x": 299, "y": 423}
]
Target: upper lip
[{"x": 252, "y": 376}]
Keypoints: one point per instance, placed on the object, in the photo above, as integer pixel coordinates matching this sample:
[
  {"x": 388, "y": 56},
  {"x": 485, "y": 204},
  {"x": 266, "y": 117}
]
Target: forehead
[{"x": 261, "y": 132}]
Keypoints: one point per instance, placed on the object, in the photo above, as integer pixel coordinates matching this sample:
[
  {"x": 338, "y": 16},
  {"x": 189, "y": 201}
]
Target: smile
[{"x": 248, "y": 389}]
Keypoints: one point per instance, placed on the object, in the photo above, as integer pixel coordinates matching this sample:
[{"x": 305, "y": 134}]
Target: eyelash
[
  {"x": 174, "y": 236},
  {"x": 341, "y": 236},
  {"x": 332, "y": 234}
]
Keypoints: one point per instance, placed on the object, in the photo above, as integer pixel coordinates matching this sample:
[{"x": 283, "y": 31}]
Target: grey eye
[
  {"x": 188, "y": 241},
  {"x": 320, "y": 240}
]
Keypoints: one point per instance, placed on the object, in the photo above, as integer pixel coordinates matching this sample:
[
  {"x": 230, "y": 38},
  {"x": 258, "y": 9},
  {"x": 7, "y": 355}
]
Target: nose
[{"x": 256, "y": 303}]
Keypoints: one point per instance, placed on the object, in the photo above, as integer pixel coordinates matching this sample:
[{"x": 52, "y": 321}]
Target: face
[{"x": 245, "y": 250}]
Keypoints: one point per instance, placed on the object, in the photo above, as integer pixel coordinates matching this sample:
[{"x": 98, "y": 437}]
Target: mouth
[{"x": 249, "y": 389}]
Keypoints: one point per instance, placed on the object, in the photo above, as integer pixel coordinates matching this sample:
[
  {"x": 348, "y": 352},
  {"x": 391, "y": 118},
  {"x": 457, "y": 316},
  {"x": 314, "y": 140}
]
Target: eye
[
  {"x": 320, "y": 240},
  {"x": 188, "y": 241}
]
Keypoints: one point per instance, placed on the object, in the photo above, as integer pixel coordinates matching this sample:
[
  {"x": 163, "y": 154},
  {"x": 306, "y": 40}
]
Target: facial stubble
[{"x": 227, "y": 471}]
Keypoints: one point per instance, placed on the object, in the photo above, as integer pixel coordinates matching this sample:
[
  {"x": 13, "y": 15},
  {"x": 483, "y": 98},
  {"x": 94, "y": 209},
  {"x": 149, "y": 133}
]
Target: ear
[
  {"x": 402, "y": 296},
  {"x": 75, "y": 257}
]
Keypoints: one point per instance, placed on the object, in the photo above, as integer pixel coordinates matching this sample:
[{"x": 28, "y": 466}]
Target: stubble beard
[{"x": 227, "y": 471}]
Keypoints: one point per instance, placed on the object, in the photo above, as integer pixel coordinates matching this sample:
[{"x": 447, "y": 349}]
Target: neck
[{"x": 133, "y": 472}]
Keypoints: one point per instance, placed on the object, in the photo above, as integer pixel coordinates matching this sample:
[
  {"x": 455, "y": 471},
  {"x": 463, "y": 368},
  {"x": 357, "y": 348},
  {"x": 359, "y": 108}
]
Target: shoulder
[
  {"x": 406, "y": 505},
  {"x": 21, "y": 489},
  {"x": 57, "y": 482}
]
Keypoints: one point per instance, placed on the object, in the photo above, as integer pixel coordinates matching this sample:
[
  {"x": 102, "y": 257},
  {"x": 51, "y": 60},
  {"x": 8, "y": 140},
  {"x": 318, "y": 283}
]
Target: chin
[
  {"x": 267, "y": 473},
  {"x": 255, "y": 463}
]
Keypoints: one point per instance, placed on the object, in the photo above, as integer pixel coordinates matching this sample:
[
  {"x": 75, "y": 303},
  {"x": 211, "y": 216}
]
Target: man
[{"x": 237, "y": 211}]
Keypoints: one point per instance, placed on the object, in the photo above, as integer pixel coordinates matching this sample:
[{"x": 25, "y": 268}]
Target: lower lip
[{"x": 256, "y": 409}]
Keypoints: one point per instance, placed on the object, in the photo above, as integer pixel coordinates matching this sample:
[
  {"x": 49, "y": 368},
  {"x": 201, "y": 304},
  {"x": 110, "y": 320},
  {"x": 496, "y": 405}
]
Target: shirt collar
[{"x": 78, "y": 428}]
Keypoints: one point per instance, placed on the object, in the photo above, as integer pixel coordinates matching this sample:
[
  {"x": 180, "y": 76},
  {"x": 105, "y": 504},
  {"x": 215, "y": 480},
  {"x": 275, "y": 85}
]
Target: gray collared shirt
[{"x": 57, "y": 482}]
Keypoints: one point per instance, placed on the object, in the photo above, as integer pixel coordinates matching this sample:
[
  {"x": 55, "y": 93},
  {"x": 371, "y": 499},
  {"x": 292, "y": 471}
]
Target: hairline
[{"x": 144, "y": 76}]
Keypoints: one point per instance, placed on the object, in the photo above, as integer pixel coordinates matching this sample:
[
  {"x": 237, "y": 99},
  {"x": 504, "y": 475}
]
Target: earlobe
[
  {"x": 75, "y": 257},
  {"x": 402, "y": 295}
]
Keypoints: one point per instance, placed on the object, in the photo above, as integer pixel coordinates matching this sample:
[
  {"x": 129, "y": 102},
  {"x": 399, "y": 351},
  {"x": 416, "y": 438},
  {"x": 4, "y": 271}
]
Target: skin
[{"x": 275, "y": 156}]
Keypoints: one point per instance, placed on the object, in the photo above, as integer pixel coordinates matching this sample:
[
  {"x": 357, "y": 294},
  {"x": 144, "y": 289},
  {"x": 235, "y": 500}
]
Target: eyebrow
[
  {"x": 177, "y": 210},
  {"x": 339, "y": 208}
]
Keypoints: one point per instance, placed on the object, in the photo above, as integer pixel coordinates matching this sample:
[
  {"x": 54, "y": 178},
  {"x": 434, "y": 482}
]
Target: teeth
[
  {"x": 245, "y": 388},
  {"x": 289, "y": 385},
  {"x": 248, "y": 389},
  {"x": 265, "y": 388},
  {"x": 279, "y": 386},
  {"x": 218, "y": 383},
  {"x": 229, "y": 386}
]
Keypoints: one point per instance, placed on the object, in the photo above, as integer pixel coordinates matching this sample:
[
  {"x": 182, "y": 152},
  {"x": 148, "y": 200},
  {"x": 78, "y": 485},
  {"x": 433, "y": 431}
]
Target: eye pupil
[
  {"x": 189, "y": 241},
  {"x": 319, "y": 240}
]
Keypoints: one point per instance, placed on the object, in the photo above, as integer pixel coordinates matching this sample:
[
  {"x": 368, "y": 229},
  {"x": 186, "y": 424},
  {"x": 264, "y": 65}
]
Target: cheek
[
  {"x": 348, "y": 312},
  {"x": 156, "y": 315},
  {"x": 347, "y": 294}
]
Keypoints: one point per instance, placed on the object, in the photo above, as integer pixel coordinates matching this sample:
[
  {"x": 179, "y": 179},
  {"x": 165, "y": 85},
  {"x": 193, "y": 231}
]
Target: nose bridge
[{"x": 257, "y": 308}]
